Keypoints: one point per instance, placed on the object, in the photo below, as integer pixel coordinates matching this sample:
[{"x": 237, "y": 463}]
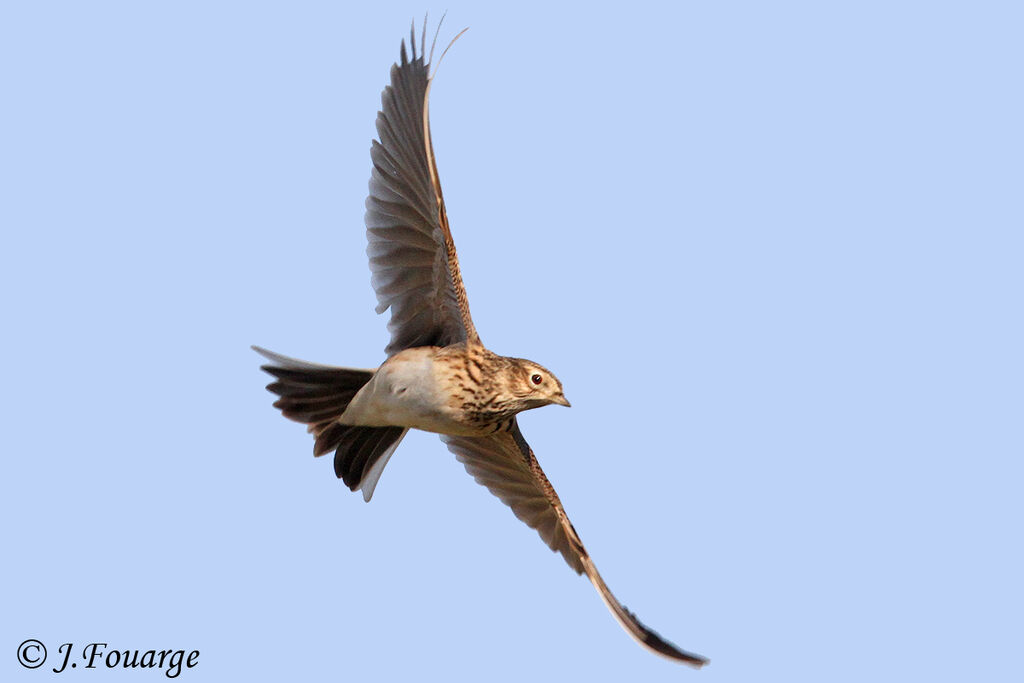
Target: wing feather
[
  {"x": 506, "y": 465},
  {"x": 413, "y": 261}
]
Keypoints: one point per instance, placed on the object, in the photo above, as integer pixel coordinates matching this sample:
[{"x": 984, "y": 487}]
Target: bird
[{"x": 438, "y": 376}]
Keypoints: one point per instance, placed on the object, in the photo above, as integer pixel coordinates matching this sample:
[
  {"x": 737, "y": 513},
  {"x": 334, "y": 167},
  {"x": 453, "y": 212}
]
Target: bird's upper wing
[
  {"x": 415, "y": 270},
  {"x": 506, "y": 465}
]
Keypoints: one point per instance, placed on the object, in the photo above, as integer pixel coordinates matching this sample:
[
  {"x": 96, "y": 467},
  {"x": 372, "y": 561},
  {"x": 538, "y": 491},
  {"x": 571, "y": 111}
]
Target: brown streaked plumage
[{"x": 438, "y": 376}]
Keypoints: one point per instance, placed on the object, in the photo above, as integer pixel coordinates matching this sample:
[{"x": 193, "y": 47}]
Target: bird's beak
[{"x": 562, "y": 401}]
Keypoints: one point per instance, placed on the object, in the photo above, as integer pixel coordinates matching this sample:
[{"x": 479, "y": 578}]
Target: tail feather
[
  {"x": 317, "y": 395},
  {"x": 365, "y": 446},
  {"x": 360, "y": 448}
]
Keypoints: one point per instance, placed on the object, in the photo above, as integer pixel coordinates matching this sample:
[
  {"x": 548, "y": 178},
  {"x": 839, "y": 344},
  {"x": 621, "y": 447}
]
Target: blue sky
[{"x": 773, "y": 252}]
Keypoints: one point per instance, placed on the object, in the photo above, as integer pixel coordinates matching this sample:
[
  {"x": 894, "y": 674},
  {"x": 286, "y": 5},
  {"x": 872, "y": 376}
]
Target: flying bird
[{"x": 438, "y": 376}]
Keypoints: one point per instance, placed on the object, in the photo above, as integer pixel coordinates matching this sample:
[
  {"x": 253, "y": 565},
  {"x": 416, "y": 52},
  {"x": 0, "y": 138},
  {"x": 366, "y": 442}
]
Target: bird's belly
[{"x": 405, "y": 393}]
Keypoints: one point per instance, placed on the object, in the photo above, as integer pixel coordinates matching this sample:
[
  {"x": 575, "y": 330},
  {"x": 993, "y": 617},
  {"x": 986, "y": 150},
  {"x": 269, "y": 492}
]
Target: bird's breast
[{"x": 414, "y": 389}]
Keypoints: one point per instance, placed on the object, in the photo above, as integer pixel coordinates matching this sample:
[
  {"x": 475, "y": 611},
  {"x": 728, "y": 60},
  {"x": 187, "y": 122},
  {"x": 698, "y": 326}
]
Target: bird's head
[{"x": 534, "y": 385}]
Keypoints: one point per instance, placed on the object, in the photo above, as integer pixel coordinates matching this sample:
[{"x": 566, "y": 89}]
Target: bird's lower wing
[{"x": 506, "y": 465}]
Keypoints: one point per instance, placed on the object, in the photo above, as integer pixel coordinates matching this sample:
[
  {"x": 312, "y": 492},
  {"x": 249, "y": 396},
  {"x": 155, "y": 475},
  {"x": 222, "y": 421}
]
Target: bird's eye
[{"x": 537, "y": 379}]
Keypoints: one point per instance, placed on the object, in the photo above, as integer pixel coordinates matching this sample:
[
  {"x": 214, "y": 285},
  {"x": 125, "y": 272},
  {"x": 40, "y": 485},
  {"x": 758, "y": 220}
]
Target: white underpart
[{"x": 406, "y": 391}]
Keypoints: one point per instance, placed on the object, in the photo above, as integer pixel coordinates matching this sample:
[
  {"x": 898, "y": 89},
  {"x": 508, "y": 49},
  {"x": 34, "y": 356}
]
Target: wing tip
[{"x": 660, "y": 646}]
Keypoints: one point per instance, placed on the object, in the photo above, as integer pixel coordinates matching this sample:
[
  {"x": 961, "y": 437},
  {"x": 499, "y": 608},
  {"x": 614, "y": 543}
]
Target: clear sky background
[{"x": 773, "y": 251}]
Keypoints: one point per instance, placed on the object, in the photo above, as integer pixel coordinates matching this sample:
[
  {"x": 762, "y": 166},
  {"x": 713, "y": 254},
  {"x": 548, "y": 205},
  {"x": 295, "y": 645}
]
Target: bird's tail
[{"x": 317, "y": 395}]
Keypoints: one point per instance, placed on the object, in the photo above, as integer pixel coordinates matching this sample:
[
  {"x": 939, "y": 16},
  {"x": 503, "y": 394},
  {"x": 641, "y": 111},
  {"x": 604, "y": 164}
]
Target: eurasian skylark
[{"x": 438, "y": 376}]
